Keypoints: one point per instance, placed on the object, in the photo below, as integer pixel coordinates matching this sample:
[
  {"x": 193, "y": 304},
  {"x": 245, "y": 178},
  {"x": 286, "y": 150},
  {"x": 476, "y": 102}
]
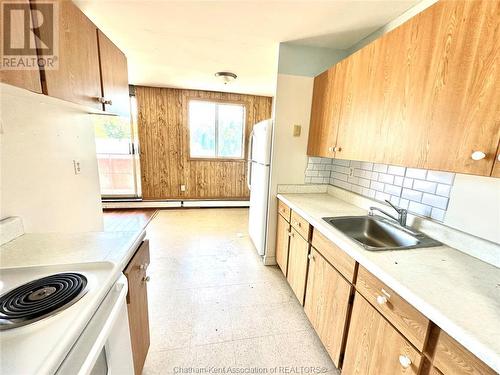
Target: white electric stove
[{"x": 87, "y": 331}]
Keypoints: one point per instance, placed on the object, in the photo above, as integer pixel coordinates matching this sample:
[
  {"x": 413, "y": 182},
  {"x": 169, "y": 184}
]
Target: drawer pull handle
[
  {"x": 382, "y": 300},
  {"x": 146, "y": 279},
  {"x": 404, "y": 361},
  {"x": 478, "y": 155}
]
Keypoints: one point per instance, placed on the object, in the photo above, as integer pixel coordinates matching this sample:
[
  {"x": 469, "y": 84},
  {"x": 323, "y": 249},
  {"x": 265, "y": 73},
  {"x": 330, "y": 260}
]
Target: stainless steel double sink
[{"x": 377, "y": 233}]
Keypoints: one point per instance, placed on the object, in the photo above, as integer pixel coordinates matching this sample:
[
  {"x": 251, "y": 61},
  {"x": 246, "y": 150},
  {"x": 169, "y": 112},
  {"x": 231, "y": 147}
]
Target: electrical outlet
[
  {"x": 183, "y": 187},
  {"x": 76, "y": 166},
  {"x": 296, "y": 130}
]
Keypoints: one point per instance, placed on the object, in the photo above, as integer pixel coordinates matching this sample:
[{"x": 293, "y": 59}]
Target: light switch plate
[{"x": 296, "y": 130}]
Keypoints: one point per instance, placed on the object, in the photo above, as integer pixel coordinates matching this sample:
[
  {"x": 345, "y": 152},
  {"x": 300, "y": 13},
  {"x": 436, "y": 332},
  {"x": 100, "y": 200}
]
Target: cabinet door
[
  {"x": 77, "y": 78},
  {"x": 374, "y": 347},
  {"x": 297, "y": 264},
  {"x": 323, "y": 125},
  {"x": 137, "y": 305},
  {"x": 25, "y": 79},
  {"x": 114, "y": 75},
  {"x": 327, "y": 303},
  {"x": 282, "y": 241},
  {"x": 433, "y": 81}
]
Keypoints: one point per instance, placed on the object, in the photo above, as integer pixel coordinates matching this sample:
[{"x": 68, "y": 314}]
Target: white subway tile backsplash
[
  {"x": 380, "y": 168},
  {"x": 364, "y": 182},
  {"x": 310, "y": 173},
  {"x": 382, "y": 196},
  {"x": 443, "y": 177},
  {"x": 420, "y": 209},
  {"x": 408, "y": 183},
  {"x": 398, "y": 171},
  {"x": 393, "y": 190},
  {"x": 386, "y": 178},
  {"x": 341, "y": 169},
  {"x": 398, "y": 181},
  {"x": 377, "y": 186},
  {"x": 443, "y": 190},
  {"x": 342, "y": 184},
  {"x": 411, "y": 195},
  {"x": 344, "y": 163},
  {"x": 416, "y": 173},
  {"x": 437, "y": 214},
  {"x": 340, "y": 176},
  {"x": 394, "y": 200},
  {"x": 435, "y": 201},
  {"x": 369, "y": 192},
  {"x": 424, "y": 186},
  {"x": 420, "y": 191},
  {"x": 366, "y": 166},
  {"x": 352, "y": 180},
  {"x": 403, "y": 203}
]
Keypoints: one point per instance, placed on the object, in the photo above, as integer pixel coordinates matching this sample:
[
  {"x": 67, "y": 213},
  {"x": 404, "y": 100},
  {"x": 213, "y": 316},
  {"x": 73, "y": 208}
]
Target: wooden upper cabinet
[
  {"x": 26, "y": 79},
  {"x": 77, "y": 78},
  {"x": 423, "y": 95},
  {"x": 114, "y": 76},
  {"x": 374, "y": 347},
  {"x": 322, "y": 128},
  {"x": 327, "y": 304}
]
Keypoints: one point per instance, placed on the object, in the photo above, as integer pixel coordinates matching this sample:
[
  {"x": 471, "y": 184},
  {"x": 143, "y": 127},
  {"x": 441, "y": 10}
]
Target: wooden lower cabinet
[
  {"x": 327, "y": 304},
  {"x": 451, "y": 358},
  {"x": 137, "y": 305},
  {"x": 374, "y": 346},
  {"x": 282, "y": 242},
  {"x": 297, "y": 264}
]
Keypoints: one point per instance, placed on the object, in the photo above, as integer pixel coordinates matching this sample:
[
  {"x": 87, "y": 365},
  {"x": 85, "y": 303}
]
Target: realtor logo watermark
[{"x": 30, "y": 35}]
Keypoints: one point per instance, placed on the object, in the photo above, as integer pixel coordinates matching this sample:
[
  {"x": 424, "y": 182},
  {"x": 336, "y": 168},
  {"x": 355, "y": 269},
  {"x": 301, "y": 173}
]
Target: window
[{"x": 216, "y": 130}]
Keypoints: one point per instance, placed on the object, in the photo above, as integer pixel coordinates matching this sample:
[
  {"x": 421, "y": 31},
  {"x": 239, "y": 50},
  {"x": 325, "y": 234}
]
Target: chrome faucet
[{"x": 402, "y": 213}]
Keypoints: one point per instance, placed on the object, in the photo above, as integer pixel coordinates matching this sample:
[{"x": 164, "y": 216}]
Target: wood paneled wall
[{"x": 164, "y": 146}]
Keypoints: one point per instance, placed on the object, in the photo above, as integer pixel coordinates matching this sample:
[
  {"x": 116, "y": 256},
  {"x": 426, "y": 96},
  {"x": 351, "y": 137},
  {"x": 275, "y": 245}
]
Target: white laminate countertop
[
  {"x": 459, "y": 293},
  {"x": 40, "y": 249}
]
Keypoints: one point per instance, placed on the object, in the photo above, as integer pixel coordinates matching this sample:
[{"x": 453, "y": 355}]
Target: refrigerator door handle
[{"x": 249, "y": 161}]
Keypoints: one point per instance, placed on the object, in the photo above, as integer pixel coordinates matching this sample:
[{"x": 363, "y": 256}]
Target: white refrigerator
[{"x": 258, "y": 174}]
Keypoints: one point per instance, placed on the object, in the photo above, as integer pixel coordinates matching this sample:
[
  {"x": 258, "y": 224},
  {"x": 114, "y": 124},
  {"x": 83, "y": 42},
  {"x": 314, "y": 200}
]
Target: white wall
[
  {"x": 475, "y": 206},
  {"x": 289, "y": 159},
  {"x": 39, "y": 138}
]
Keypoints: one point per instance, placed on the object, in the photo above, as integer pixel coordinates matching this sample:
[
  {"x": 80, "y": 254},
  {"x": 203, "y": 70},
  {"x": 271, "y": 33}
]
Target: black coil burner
[{"x": 40, "y": 298}]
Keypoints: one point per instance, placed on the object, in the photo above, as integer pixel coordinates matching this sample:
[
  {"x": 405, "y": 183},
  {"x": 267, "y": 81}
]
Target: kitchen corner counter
[
  {"x": 459, "y": 293},
  {"x": 40, "y": 249}
]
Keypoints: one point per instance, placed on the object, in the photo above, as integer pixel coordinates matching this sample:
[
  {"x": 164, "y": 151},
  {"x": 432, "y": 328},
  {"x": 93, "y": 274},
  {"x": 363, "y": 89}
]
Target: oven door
[{"x": 104, "y": 346}]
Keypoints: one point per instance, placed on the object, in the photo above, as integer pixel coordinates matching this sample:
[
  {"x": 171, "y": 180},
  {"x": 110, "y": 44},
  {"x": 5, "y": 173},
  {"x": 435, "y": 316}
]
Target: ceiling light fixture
[{"x": 226, "y": 77}]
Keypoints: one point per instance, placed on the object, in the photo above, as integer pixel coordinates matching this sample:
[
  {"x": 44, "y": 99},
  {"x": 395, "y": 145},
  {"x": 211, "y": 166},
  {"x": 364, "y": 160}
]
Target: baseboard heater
[{"x": 173, "y": 204}]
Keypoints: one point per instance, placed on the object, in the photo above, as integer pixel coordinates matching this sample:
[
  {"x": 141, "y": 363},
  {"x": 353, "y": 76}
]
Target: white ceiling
[{"x": 183, "y": 43}]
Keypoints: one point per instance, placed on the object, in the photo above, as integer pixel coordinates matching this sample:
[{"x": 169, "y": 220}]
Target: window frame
[{"x": 244, "y": 135}]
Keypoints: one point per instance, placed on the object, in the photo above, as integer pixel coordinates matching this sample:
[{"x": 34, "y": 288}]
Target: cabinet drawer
[
  {"x": 411, "y": 323},
  {"x": 284, "y": 210},
  {"x": 336, "y": 256},
  {"x": 301, "y": 225},
  {"x": 452, "y": 358}
]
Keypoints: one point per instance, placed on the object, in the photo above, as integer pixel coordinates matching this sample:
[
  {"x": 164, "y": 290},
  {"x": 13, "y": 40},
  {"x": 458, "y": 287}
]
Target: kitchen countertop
[
  {"x": 40, "y": 249},
  {"x": 459, "y": 293}
]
